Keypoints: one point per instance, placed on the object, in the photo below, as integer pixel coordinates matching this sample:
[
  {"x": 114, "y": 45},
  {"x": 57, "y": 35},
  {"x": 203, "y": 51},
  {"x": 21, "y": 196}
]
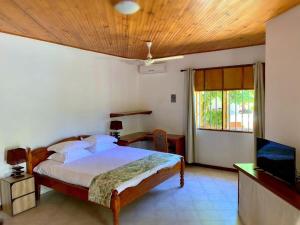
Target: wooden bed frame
[{"x": 118, "y": 200}]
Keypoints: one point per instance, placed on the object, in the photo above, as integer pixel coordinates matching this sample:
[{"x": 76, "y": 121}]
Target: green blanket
[{"x": 102, "y": 185}]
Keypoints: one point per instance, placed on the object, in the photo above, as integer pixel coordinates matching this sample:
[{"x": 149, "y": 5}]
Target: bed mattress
[{"x": 82, "y": 172}]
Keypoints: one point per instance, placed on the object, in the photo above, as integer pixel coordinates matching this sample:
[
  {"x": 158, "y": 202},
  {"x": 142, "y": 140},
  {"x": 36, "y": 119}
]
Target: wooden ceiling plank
[
  {"x": 15, "y": 20},
  {"x": 49, "y": 15},
  {"x": 175, "y": 27}
]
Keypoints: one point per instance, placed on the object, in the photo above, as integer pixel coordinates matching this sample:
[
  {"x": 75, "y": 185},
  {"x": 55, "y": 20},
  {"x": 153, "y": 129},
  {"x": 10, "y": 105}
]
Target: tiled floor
[{"x": 209, "y": 197}]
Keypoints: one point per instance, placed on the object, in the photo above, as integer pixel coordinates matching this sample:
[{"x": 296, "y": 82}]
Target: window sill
[{"x": 230, "y": 131}]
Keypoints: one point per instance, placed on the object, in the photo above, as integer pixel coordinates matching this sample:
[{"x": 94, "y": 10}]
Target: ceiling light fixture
[{"x": 127, "y": 7}]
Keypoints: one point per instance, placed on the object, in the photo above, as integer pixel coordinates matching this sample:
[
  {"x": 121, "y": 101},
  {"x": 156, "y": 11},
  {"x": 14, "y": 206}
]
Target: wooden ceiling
[{"x": 175, "y": 26}]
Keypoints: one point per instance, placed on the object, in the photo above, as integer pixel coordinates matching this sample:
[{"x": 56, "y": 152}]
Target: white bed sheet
[{"x": 81, "y": 172}]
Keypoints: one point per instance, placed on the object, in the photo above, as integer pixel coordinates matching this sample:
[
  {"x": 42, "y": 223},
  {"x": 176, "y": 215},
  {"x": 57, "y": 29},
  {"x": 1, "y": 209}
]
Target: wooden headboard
[{"x": 38, "y": 155}]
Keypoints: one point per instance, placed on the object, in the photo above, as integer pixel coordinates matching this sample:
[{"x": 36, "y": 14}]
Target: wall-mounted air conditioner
[{"x": 153, "y": 68}]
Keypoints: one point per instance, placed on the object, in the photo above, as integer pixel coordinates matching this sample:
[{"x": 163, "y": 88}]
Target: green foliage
[
  {"x": 211, "y": 113},
  {"x": 211, "y": 105},
  {"x": 242, "y": 96}
]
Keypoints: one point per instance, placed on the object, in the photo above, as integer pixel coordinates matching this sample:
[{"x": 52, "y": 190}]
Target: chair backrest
[{"x": 160, "y": 140}]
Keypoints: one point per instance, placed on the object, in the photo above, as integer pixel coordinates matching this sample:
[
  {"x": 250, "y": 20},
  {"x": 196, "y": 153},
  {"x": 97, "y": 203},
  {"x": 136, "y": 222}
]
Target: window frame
[
  {"x": 225, "y": 67},
  {"x": 222, "y": 128}
]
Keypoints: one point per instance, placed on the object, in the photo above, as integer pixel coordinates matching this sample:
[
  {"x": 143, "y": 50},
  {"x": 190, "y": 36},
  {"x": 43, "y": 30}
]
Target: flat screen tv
[{"x": 277, "y": 159}]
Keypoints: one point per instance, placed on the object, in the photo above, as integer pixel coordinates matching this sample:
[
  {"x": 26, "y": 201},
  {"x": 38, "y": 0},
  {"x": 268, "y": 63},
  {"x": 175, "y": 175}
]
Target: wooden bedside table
[{"x": 17, "y": 194}]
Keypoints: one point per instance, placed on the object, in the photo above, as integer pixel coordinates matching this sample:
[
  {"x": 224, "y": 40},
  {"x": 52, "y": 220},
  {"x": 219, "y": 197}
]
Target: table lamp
[
  {"x": 116, "y": 125},
  {"x": 14, "y": 157}
]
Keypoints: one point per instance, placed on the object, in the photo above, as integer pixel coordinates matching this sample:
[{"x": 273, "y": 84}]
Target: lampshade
[
  {"x": 116, "y": 125},
  {"x": 16, "y": 156}
]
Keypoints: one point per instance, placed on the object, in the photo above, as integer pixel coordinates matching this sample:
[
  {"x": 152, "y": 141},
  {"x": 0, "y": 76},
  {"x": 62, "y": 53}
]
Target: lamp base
[
  {"x": 116, "y": 134},
  {"x": 17, "y": 172}
]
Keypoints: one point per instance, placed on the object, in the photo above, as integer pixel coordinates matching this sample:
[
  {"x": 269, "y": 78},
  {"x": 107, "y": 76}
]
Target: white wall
[
  {"x": 49, "y": 91},
  {"x": 214, "y": 148},
  {"x": 283, "y": 79}
]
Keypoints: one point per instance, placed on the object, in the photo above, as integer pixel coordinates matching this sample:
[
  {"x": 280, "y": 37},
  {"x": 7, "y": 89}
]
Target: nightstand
[{"x": 17, "y": 194}]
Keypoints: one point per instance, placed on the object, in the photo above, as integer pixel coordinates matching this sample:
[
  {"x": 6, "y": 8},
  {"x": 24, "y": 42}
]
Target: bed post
[
  {"x": 182, "y": 172},
  {"x": 29, "y": 166},
  {"x": 115, "y": 206},
  {"x": 29, "y": 161},
  {"x": 37, "y": 186}
]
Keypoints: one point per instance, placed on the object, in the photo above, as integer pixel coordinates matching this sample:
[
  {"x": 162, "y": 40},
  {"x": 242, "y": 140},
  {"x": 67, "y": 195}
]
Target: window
[
  {"x": 224, "y": 98},
  {"x": 209, "y": 109},
  {"x": 225, "y": 110}
]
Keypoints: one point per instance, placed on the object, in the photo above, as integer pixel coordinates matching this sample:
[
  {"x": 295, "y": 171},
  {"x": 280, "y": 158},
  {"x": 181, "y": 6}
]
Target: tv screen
[{"x": 277, "y": 159}]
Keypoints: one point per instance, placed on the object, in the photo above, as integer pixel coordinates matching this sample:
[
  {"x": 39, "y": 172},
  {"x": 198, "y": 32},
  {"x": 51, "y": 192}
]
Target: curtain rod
[
  {"x": 184, "y": 70},
  {"x": 221, "y": 67}
]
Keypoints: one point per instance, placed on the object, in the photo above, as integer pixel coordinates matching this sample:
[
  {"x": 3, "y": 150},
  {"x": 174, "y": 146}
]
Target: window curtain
[
  {"x": 191, "y": 125},
  {"x": 259, "y": 101}
]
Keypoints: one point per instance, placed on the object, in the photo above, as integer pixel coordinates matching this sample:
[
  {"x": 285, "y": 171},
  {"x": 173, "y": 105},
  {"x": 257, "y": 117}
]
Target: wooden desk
[{"x": 176, "y": 141}]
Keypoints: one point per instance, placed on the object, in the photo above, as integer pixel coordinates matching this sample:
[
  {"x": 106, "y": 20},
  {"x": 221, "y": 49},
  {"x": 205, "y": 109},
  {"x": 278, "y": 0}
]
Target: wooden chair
[{"x": 160, "y": 140}]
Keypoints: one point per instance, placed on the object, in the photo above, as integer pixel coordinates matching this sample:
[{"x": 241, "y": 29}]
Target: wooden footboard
[
  {"x": 60, "y": 186},
  {"x": 127, "y": 196},
  {"x": 130, "y": 194},
  {"x": 118, "y": 200}
]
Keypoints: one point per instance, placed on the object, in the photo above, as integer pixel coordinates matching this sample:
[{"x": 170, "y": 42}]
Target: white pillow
[
  {"x": 69, "y": 145},
  {"x": 101, "y": 147},
  {"x": 70, "y": 156},
  {"x": 101, "y": 139}
]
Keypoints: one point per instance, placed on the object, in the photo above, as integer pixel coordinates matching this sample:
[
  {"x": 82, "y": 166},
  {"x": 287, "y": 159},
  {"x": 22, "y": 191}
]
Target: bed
[{"x": 75, "y": 178}]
